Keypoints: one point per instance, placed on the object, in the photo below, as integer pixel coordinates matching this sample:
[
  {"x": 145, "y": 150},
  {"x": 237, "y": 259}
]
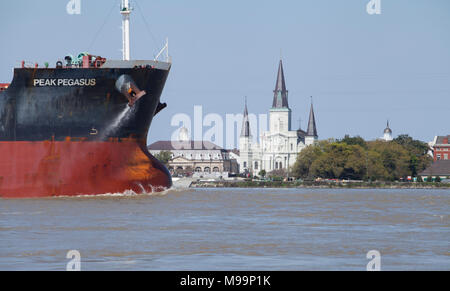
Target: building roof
[
  {"x": 438, "y": 168},
  {"x": 280, "y": 93},
  {"x": 234, "y": 151},
  {"x": 167, "y": 145},
  {"x": 440, "y": 139},
  {"x": 301, "y": 133},
  {"x": 312, "y": 130},
  {"x": 387, "y": 129},
  {"x": 245, "y": 131}
]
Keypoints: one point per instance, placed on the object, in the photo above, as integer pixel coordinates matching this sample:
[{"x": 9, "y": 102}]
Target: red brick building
[{"x": 441, "y": 148}]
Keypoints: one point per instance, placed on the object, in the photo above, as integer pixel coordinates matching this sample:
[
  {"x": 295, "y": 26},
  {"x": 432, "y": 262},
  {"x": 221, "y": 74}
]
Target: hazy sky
[{"x": 361, "y": 69}]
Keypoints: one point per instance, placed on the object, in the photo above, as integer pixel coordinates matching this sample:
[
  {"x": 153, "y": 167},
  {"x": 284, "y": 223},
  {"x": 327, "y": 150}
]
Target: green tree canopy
[
  {"x": 418, "y": 157},
  {"x": 262, "y": 173},
  {"x": 164, "y": 157},
  {"x": 357, "y": 140},
  {"x": 355, "y": 158}
]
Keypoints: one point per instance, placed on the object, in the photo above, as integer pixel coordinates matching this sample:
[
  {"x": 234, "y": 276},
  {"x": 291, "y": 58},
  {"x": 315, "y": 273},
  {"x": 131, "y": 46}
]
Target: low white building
[{"x": 197, "y": 158}]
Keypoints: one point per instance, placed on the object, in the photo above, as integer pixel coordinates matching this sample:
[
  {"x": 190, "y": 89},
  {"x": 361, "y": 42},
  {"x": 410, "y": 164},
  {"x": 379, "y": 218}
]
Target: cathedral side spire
[
  {"x": 280, "y": 96},
  {"x": 245, "y": 131},
  {"x": 312, "y": 130}
]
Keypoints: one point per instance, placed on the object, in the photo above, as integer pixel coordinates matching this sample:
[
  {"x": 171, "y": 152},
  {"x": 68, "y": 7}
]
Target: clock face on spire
[{"x": 278, "y": 142}]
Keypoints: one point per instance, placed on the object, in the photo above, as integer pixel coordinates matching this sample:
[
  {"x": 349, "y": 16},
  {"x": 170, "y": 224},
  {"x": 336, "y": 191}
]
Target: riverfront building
[
  {"x": 440, "y": 168},
  {"x": 196, "y": 158},
  {"x": 440, "y": 148}
]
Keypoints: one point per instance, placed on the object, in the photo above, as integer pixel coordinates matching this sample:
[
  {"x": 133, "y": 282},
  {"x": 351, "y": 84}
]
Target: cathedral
[{"x": 277, "y": 148}]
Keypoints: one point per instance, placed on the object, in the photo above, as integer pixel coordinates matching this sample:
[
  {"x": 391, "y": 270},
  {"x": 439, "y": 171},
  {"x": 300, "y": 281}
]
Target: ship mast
[{"x": 125, "y": 10}]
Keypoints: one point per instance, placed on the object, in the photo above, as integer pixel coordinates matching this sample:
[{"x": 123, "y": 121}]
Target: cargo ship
[{"x": 80, "y": 127}]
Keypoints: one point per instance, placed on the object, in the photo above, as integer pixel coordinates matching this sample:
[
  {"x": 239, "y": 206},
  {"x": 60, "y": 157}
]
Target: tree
[
  {"x": 438, "y": 179},
  {"x": 354, "y": 158},
  {"x": 375, "y": 169},
  {"x": 331, "y": 159},
  {"x": 262, "y": 173},
  {"x": 357, "y": 140},
  {"x": 277, "y": 175},
  {"x": 305, "y": 158},
  {"x": 416, "y": 146},
  {"x": 394, "y": 158},
  {"x": 419, "y": 159},
  {"x": 164, "y": 157}
]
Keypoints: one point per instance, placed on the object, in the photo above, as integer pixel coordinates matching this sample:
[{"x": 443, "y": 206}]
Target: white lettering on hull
[{"x": 64, "y": 82}]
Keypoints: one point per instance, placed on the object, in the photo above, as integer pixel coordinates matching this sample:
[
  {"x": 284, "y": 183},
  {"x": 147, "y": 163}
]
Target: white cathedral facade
[{"x": 277, "y": 148}]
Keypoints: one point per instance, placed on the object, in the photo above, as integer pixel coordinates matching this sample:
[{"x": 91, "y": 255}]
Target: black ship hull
[{"x": 75, "y": 131}]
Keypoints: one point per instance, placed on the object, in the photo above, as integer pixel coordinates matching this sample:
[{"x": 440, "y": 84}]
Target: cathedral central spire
[{"x": 280, "y": 96}]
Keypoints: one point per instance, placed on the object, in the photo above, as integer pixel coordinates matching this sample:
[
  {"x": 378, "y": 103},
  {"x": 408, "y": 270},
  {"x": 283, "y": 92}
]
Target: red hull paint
[{"x": 68, "y": 168}]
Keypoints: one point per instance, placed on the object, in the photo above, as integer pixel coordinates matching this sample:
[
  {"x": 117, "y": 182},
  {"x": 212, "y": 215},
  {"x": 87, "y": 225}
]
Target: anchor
[{"x": 129, "y": 89}]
